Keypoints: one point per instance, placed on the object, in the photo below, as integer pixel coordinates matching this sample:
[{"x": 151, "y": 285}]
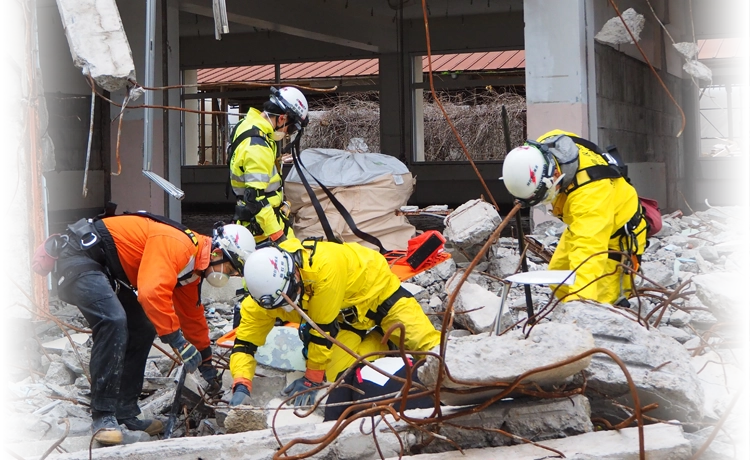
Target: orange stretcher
[{"x": 396, "y": 259}]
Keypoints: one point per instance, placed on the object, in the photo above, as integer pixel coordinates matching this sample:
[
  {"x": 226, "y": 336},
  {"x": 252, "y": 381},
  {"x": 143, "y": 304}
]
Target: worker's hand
[
  {"x": 298, "y": 387},
  {"x": 209, "y": 372},
  {"x": 190, "y": 356},
  {"x": 240, "y": 395}
]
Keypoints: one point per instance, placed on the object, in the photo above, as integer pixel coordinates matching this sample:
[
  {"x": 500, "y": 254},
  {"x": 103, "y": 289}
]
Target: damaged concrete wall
[
  {"x": 635, "y": 114},
  {"x": 13, "y": 91},
  {"x": 15, "y": 223}
]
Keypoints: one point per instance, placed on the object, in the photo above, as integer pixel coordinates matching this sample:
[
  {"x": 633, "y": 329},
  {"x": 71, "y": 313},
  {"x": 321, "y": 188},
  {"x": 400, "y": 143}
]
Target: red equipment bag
[
  {"x": 423, "y": 248},
  {"x": 652, "y": 214},
  {"x": 47, "y": 253}
]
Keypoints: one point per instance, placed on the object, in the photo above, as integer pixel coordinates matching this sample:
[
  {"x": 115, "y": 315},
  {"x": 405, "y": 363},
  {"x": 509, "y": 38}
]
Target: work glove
[
  {"x": 209, "y": 372},
  {"x": 240, "y": 395},
  {"x": 300, "y": 385},
  {"x": 188, "y": 353}
]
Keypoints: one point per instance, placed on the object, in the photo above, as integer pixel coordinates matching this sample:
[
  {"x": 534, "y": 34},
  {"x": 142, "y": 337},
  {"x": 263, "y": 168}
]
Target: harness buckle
[
  {"x": 89, "y": 239},
  {"x": 350, "y": 315}
]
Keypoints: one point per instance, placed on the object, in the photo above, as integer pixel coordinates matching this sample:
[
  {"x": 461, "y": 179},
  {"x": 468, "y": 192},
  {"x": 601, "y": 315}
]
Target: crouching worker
[
  {"x": 346, "y": 289},
  {"x": 597, "y": 203},
  {"x": 134, "y": 276}
]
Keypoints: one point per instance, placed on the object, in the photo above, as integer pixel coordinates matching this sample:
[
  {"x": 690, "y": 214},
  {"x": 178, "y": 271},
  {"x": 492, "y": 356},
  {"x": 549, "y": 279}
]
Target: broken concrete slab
[
  {"x": 478, "y": 306},
  {"x": 485, "y": 359},
  {"x": 97, "y": 40},
  {"x": 660, "y": 366},
  {"x": 717, "y": 380},
  {"x": 662, "y": 442},
  {"x": 62, "y": 344},
  {"x": 658, "y": 273},
  {"x": 471, "y": 223},
  {"x": 58, "y": 374},
  {"x": 614, "y": 33},
  {"x": 722, "y": 293}
]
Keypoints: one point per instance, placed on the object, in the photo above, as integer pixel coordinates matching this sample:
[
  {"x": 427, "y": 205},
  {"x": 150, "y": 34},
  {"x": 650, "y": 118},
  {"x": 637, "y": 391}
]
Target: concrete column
[
  {"x": 175, "y": 132},
  {"x": 418, "y": 77},
  {"x": 391, "y": 123},
  {"x": 559, "y": 66},
  {"x": 131, "y": 190},
  {"x": 190, "y": 128}
]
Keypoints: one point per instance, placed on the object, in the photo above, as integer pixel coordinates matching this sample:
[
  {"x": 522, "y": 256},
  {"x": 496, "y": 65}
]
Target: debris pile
[{"x": 677, "y": 342}]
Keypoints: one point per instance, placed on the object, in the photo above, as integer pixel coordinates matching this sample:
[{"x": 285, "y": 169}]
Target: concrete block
[
  {"x": 659, "y": 366},
  {"x": 97, "y": 41},
  {"x": 62, "y": 344},
  {"x": 662, "y": 442},
  {"x": 722, "y": 293},
  {"x": 239, "y": 421},
  {"x": 471, "y": 223},
  {"x": 484, "y": 359},
  {"x": 659, "y": 274},
  {"x": 58, "y": 374},
  {"x": 482, "y": 305}
]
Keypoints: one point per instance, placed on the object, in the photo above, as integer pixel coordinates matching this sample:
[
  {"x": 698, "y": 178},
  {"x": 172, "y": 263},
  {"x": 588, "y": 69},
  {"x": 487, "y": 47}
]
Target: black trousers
[
  {"x": 371, "y": 390},
  {"x": 122, "y": 335}
]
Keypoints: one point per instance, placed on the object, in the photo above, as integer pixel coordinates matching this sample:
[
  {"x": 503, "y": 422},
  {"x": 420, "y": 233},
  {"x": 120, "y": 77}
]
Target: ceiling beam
[{"x": 314, "y": 23}]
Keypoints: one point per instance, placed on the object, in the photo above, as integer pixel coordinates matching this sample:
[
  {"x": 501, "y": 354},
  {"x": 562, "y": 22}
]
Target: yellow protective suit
[
  {"x": 256, "y": 165},
  {"x": 336, "y": 277},
  {"x": 594, "y": 212}
]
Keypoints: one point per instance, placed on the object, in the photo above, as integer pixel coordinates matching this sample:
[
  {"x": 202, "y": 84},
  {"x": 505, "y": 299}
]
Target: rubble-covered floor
[{"x": 691, "y": 359}]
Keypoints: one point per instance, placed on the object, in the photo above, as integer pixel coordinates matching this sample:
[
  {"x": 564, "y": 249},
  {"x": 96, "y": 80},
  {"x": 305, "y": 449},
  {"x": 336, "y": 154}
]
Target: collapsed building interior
[{"x": 681, "y": 136}]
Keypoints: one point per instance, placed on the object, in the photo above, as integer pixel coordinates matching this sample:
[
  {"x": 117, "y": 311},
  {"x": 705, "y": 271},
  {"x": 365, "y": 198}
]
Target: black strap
[
  {"x": 361, "y": 333},
  {"x": 243, "y": 346},
  {"x": 337, "y": 204},
  {"x": 595, "y": 173},
  {"x": 258, "y": 139},
  {"x": 166, "y": 221},
  {"x": 383, "y": 309}
]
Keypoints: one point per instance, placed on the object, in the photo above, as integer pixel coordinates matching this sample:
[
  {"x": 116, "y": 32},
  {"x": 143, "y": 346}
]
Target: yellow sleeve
[
  {"x": 589, "y": 214},
  {"x": 323, "y": 307}
]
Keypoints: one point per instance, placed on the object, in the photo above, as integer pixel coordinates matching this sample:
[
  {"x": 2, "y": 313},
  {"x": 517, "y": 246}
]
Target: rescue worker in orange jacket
[
  {"x": 346, "y": 289},
  {"x": 134, "y": 276},
  {"x": 255, "y": 162},
  {"x": 602, "y": 212}
]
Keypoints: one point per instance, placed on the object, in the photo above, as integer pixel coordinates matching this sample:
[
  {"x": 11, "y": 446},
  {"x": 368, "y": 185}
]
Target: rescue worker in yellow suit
[
  {"x": 255, "y": 163},
  {"x": 346, "y": 289},
  {"x": 601, "y": 213}
]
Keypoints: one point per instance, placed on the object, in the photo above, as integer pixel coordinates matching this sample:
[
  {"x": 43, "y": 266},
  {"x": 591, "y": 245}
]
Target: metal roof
[{"x": 464, "y": 62}]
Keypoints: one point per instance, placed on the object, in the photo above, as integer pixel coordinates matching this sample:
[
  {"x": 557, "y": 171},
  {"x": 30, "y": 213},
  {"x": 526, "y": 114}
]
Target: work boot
[
  {"x": 106, "y": 429},
  {"x": 150, "y": 426}
]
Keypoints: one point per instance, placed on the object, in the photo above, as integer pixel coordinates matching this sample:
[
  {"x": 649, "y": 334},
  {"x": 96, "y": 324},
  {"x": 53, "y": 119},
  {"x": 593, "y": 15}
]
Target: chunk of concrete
[
  {"x": 478, "y": 306},
  {"x": 660, "y": 274},
  {"x": 62, "y": 344},
  {"x": 225, "y": 294},
  {"x": 471, "y": 223},
  {"x": 97, "y": 41},
  {"x": 662, "y": 442},
  {"x": 723, "y": 293},
  {"x": 614, "y": 32},
  {"x": 486, "y": 359},
  {"x": 240, "y": 420},
  {"x": 58, "y": 374},
  {"x": 717, "y": 380},
  {"x": 659, "y": 366}
]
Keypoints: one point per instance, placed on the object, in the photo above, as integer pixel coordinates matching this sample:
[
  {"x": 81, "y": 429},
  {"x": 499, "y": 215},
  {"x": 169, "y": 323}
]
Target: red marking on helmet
[
  {"x": 273, "y": 262},
  {"x": 532, "y": 176}
]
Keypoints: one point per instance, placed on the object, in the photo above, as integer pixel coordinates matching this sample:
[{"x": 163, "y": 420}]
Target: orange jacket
[{"x": 153, "y": 256}]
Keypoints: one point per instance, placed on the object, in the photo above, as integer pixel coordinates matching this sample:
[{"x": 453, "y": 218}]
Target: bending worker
[
  {"x": 601, "y": 210},
  {"x": 255, "y": 163},
  {"x": 346, "y": 289},
  {"x": 134, "y": 276}
]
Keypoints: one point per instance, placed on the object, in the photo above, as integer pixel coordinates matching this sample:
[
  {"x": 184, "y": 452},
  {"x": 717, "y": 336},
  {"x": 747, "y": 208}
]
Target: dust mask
[
  {"x": 217, "y": 279},
  {"x": 278, "y": 136}
]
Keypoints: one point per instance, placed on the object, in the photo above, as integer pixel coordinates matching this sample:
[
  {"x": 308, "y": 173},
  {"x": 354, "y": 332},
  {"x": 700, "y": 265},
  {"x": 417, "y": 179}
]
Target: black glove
[
  {"x": 209, "y": 372},
  {"x": 300, "y": 385},
  {"x": 189, "y": 354},
  {"x": 240, "y": 395}
]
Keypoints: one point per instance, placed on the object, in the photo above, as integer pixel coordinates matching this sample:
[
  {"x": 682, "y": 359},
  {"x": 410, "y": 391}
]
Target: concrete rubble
[
  {"x": 97, "y": 41},
  {"x": 688, "y": 360}
]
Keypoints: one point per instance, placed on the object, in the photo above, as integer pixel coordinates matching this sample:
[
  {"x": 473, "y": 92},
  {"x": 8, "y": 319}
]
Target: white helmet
[
  {"x": 269, "y": 272},
  {"x": 529, "y": 174},
  {"x": 293, "y": 102},
  {"x": 235, "y": 241}
]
